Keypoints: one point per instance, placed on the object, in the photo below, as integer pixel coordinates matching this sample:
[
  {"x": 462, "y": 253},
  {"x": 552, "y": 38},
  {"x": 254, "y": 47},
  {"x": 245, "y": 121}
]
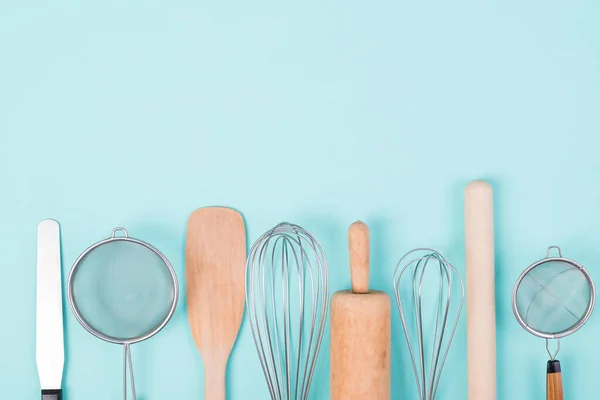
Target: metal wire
[
  {"x": 126, "y": 361},
  {"x": 126, "y": 342},
  {"x": 428, "y": 378},
  {"x": 287, "y": 297},
  {"x": 580, "y": 317},
  {"x": 555, "y": 353}
]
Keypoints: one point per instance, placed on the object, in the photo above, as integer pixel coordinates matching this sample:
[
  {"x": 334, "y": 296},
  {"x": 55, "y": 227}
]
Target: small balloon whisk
[
  {"x": 429, "y": 270},
  {"x": 287, "y": 298}
]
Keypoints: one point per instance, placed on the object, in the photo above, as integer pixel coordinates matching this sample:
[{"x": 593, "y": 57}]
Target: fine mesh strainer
[
  {"x": 123, "y": 291},
  {"x": 553, "y": 298}
]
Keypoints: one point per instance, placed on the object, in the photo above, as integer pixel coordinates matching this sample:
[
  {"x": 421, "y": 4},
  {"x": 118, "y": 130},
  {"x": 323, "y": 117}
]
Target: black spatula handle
[{"x": 51, "y": 394}]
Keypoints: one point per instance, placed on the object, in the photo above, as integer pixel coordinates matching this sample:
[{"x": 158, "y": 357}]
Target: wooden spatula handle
[
  {"x": 215, "y": 265},
  {"x": 214, "y": 382},
  {"x": 358, "y": 242},
  {"x": 554, "y": 387}
]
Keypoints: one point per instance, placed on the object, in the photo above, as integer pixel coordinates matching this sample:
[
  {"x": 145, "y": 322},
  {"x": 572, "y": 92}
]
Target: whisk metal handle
[
  {"x": 554, "y": 387},
  {"x": 358, "y": 243}
]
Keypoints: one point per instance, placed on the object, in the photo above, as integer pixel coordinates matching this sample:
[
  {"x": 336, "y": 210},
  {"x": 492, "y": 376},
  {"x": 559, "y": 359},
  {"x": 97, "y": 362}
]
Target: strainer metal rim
[
  {"x": 570, "y": 330},
  {"x": 82, "y": 320}
]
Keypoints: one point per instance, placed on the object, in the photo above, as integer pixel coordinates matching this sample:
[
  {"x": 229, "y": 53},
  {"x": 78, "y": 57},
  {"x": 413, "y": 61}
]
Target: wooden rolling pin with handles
[
  {"x": 360, "y": 330},
  {"x": 481, "y": 308}
]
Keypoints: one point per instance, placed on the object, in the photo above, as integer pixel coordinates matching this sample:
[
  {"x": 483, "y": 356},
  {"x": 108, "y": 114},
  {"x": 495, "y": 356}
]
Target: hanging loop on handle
[
  {"x": 553, "y": 247},
  {"x": 127, "y": 360},
  {"x": 552, "y": 355},
  {"x": 123, "y": 230}
]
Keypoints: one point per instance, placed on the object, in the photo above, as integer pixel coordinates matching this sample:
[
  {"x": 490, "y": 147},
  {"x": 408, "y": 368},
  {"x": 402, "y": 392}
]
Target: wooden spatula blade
[{"x": 215, "y": 281}]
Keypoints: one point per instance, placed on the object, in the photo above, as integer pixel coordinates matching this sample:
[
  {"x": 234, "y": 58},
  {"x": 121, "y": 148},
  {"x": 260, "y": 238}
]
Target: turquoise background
[{"x": 134, "y": 113}]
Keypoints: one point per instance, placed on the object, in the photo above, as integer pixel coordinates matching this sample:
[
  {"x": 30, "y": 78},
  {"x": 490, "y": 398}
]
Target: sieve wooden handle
[{"x": 554, "y": 387}]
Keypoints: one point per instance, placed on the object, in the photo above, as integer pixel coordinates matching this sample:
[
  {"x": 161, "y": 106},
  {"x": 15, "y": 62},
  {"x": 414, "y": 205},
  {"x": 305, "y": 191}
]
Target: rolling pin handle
[{"x": 358, "y": 242}]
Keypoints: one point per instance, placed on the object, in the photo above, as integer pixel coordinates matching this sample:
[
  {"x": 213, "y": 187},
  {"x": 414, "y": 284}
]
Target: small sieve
[
  {"x": 123, "y": 291},
  {"x": 553, "y": 298}
]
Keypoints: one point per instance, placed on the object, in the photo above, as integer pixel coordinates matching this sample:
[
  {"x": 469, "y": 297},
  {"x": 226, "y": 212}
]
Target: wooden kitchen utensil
[
  {"x": 215, "y": 276},
  {"x": 481, "y": 306},
  {"x": 360, "y": 330}
]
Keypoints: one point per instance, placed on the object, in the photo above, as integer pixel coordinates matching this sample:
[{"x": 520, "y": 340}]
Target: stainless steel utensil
[
  {"x": 553, "y": 298},
  {"x": 287, "y": 297},
  {"x": 443, "y": 277},
  {"x": 123, "y": 291},
  {"x": 50, "y": 356}
]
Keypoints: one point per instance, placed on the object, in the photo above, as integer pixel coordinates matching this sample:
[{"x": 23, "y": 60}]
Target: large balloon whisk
[{"x": 287, "y": 297}]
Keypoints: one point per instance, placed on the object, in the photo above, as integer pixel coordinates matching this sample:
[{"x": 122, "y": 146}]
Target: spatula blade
[
  {"x": 215, "y": 281},
  {"x": 49, "y": 315}
]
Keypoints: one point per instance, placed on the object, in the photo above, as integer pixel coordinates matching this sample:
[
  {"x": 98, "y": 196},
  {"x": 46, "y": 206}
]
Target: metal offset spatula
[{"x": 50, "y": 354}]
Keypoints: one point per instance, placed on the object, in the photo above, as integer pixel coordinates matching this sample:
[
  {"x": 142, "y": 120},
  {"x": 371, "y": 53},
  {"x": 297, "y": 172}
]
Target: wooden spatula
[{"x": 215, "y": 276}]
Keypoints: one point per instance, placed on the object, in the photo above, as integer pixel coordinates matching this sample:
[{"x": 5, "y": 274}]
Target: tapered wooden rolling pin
[
  {"x": 360, "y": 330},
  {"x": 481, "y": 308}
]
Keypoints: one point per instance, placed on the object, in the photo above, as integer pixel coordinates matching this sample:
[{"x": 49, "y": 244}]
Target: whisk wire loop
[
  {"x": 287, "y": 299},
  {"x": 427, "y": 379}
]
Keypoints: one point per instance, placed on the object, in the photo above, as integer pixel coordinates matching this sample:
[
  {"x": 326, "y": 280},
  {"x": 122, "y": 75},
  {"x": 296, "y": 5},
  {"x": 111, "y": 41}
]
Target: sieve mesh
[
  {"x": 123, "y": 290},
  {"x": 553, "y": 297}
]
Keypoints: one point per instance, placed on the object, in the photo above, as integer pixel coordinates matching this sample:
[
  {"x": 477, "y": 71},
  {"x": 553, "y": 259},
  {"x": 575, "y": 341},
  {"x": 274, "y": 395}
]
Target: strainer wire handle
[
  {"x": 127, "y": 360},
  {"x": 555, "y": 248},
  {"x": 551, "y": 354},
  {"x": 118, "y": 229},
  {"x": 554, "y": 389}
]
